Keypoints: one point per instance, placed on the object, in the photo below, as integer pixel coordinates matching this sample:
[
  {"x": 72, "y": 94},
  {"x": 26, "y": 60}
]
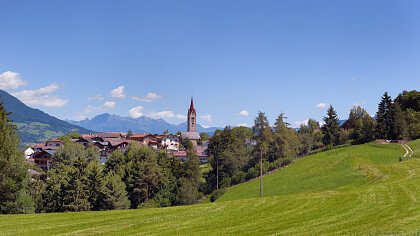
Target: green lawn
[{"x": 354, "y": 190}]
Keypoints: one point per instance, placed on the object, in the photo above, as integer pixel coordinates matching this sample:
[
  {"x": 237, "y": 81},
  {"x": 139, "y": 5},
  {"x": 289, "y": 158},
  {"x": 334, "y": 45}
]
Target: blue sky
[{"x": 65, "y": 57}]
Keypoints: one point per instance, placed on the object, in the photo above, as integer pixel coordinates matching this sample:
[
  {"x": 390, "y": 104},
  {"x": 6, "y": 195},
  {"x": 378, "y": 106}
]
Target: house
[
  {"x": 38, "y": 147},
  {"x": 112, "y": 135},
  {"x": 83, "y": 141},
  {"x": 54, "y": 143},
  {"x": 42, "y": 159},
  {"x": 169, "y": 142},
  {"x": 144, "y": 139}
]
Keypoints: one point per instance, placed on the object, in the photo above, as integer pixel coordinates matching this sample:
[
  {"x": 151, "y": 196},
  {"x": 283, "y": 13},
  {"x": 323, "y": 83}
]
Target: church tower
[{"x": 192, "y": 118}]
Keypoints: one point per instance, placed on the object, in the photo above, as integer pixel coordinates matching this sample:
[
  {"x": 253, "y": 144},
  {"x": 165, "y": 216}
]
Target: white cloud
[
  {"x": 118, "y": 92},
  {"x": 166, "y": 115},
  {"x": 206, "y": 117},
  {"x": 321, "y": 105},
  {"x": 41, "y": 96},
  {"x": 148, "y": 98},
  {"x": 181, "y": 117},
  {"x": 108, "y": 105},
  {"x": 243, "y": 113},
  {"x": 135, "y": 112},
  {"x": 242, "y": 124},
  {"x": 161, "y": 114},
  {"x": 11, "y": 80},
  {"x": 91, "y": 109},
  {"x": 96, "y": 98},
  {"x": 303, "y": 122},
  {"x": 205, "y": 126}
]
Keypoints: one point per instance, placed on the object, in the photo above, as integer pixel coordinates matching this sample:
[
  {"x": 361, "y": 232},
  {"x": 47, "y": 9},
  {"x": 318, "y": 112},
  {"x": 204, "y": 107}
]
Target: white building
[
  {"x": 29, "y": 152},
  {"x": 170, "y": 142}
]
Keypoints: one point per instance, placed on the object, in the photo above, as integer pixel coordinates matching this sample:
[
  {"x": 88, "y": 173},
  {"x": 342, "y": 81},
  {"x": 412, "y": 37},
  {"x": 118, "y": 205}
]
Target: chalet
[
  {"x": 54, "y": 143},
  {"x": 112, "y": 135},
  {"x": 42, "y": 159},
  {"x": 83, "y": 141},
  {"x": 38, "y": 147},
  {"x": 144, "y": 139}
]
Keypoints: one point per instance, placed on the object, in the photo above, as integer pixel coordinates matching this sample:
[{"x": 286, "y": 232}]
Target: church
[{"x": 191, "y": 133}]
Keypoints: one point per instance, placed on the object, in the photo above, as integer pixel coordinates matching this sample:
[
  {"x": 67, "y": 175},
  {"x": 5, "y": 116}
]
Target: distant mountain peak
[
  {"x": 36, "y": 125},
  {"x": 106, "y": 122}
]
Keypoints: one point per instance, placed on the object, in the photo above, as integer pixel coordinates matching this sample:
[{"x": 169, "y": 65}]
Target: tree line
[{"x": 141, "y": 177}]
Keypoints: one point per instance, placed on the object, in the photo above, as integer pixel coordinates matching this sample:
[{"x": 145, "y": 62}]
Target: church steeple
[
  {"x": 192, "y": 105},
  {"x": 192, "y": 117}
]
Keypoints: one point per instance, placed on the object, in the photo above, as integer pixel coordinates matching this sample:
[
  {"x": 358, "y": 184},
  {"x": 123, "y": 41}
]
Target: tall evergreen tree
[
  {"x": 115, "y": 193},
  {"x": 263, "y": 135},
  {"x": 331, "y": 128},
  {"x": 383, "y": 117},
  {"x": 14, "y": 178}
]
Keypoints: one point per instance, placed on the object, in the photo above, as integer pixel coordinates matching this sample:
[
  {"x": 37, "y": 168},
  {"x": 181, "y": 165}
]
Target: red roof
[{"x": 38, "y": 145}]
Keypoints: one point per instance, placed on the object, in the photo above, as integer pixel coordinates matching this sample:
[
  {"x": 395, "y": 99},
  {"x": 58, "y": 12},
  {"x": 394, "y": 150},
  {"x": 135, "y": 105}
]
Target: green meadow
[{"x": 361, "y": 190}]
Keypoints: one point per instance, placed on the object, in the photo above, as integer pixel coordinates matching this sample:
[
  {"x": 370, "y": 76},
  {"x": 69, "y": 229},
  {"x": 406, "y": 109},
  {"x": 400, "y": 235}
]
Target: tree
[
  {"x": 409, "y": 100},
  {"x": 412, "y": 120},
  {"x": 229, "y": 156},
  {"x": 361, "y": 126},
  {"x": 115, "y": 194},
  {"x": 383, "y": 117},
  {"x": 286, "y": 142},
  {"x": 331, "y": 128},
  {"x": 397, "y": 123},
  {"x": 204, "y": 136},
  {"x": 14, "y": 178},
  {"x": 263, "y": 136},
  {"x": 310, "y": 136},
  {"x": 95, "y": 184}
]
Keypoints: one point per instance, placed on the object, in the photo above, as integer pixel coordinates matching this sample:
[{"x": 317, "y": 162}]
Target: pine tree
[
  {"x": 263, "y": 135},
  {"x": 331, "y": 128},
  {"x": 115, "y": 193},
  {"x": 383, "y": 117},
  {"x": 14, "y": 178}
]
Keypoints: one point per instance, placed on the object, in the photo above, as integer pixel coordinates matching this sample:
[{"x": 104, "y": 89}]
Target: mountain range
[
  {"x": 107, "y": 122},
  {"x": 35, "y": 125}
]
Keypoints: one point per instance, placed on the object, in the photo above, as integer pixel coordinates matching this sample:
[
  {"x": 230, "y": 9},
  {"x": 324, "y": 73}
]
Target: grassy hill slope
[
  {"x": 353, "y": 190},
  {"x": 339, "y": 169}
]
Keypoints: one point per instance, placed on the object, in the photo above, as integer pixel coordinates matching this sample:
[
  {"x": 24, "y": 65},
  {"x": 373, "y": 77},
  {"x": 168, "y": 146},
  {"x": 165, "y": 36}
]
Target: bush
[
  {"x": 151, "y": 203},
  {"x": 216, "y": 194},
  {"x": 238, "y": 177},
  {"x": 252, "y": 173}
]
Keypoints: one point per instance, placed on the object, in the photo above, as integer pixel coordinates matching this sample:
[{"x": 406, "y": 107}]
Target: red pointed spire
[{"x": 192, "y": 105}]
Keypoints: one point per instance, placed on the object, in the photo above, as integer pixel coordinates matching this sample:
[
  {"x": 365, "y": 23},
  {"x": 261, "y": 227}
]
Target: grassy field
[{"x": 354, "y": 190}]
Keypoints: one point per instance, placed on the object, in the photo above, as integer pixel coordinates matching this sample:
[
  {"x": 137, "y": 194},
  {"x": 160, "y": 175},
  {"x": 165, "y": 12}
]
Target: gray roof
[{"x": 190, "y": 135}]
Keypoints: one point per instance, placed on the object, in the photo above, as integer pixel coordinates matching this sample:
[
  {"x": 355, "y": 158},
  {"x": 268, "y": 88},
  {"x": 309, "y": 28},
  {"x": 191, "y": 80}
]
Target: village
[{"x": 41, "y": 154}]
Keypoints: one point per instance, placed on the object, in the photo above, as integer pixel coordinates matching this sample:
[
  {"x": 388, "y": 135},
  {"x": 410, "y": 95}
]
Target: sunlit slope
[
  {"x": 375, "y": 195},
  {"x": 335, "y": 170}
]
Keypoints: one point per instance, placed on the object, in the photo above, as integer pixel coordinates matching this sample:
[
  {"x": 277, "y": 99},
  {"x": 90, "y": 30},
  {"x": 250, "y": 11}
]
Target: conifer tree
[
  {"x": 115, "y": 193},
  {"x": 263, "y": 135},
  {"x": 14, "y": 178},
  {"x": 383, "y": 117},
  {"x": 331, "y": 128}
]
